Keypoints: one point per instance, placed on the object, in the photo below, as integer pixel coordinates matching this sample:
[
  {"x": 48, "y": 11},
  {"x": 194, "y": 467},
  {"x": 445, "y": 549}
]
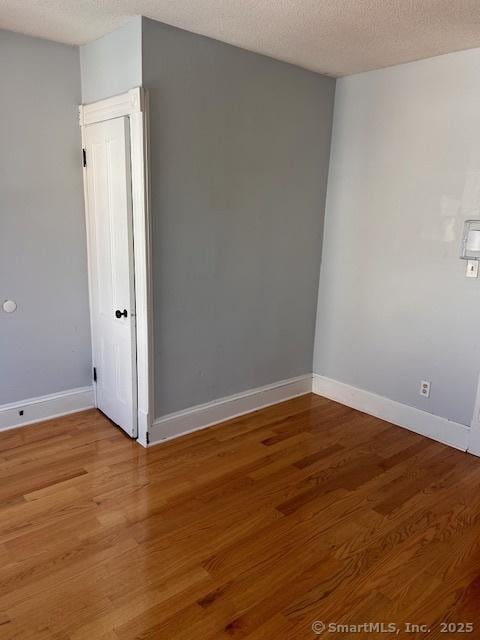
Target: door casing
[{"x": 134, "y": 104}]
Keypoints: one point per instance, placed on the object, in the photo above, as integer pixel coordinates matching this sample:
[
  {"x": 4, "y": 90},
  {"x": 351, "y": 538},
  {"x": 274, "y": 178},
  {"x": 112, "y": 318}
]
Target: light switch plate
[{"x": 472, "y": 269}]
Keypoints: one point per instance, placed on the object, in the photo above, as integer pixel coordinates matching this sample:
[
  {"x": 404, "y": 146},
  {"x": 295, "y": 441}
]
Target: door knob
[{"x": 119, "y": 313}]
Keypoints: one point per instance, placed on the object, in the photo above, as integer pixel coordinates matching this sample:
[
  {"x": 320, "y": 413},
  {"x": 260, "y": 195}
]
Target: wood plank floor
[{"x": 305, "y": 511}]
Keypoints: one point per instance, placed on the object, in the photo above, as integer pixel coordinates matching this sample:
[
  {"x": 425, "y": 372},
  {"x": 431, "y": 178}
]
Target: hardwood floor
[{"x": 305, "y": 511}]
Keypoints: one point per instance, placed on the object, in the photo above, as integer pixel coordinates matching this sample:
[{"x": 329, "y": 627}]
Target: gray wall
[
  {"x": 394, "y": 304},
  {"x": 112, "y": 64},
  {"x": 45, "y": 344},
  {"x": 239, "y": 157}
]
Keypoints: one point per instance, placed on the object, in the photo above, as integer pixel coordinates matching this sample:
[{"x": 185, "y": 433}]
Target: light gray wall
[
  {"x": 394, "y": 305},
  {"x": 112, "y": 64},
  {"x": 239, "y": 158},
  {"x": 45, "y": 344}
]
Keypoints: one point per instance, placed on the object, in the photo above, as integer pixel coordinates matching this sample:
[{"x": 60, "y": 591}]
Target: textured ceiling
[{"x": 337, "y": 37}]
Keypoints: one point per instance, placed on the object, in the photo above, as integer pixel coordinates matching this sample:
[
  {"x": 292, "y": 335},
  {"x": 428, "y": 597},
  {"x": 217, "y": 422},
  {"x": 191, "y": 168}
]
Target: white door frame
[
  {"x": 474, "y": 435},
  {"x": 134, "y": 104}
]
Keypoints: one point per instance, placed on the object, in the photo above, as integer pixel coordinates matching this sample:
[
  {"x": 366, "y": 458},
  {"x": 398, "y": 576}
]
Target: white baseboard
[
  {"x": 45, "y": 407},
  {"x": 426, "y": 424},
  {"x": 206, "y": 415}
]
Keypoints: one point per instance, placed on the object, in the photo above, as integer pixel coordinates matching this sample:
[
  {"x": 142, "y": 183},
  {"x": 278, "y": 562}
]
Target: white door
[{"x": 112, "y": 294}]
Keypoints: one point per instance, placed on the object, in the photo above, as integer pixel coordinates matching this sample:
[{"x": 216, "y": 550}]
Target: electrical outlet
[{"x": 425, "y": 388}]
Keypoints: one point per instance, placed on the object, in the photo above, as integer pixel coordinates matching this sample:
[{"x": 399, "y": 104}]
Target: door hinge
[
  {"x": 94, "y": 374},
  {"x": 84, "y": 157}
]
